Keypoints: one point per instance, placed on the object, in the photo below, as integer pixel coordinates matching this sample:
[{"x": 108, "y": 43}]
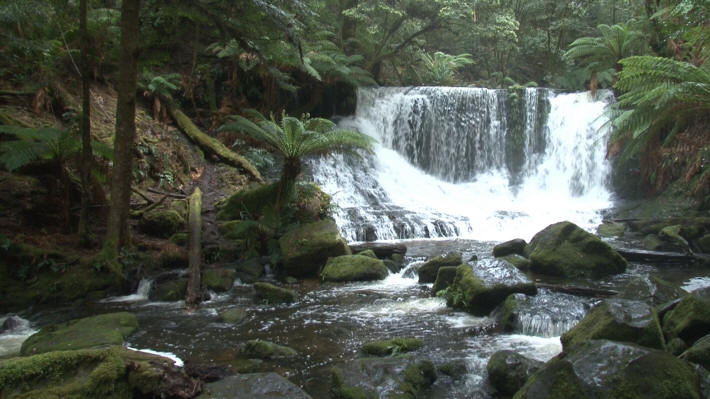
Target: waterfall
[{"x": 469, "y": 162}]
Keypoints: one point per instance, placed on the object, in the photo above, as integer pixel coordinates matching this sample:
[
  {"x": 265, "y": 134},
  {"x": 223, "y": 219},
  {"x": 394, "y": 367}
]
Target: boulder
[
  {"x": 89, "y": 332},
  {"x": 516, "y": 246},
  {"x": 651, "y": 290},
  {"x": 381, "y": 249},
  {"x": 622, "y": 320},
  {"x": 232, "y": 315},
  {"x": 162, "y": 223},
  {"x": 11, "y": 324},
  {"x": 306, "y": 248},
  {"x": 699, "y": 353},
  {"x": 354, "y": 268},
  {"x": 392, "y": 346},
  {"x": 265, "y": 350},
  {"x": 392, "y": 377},
  {"x": 444, "y": 278},
  {"x": 564, "y": 249},
  {"x": 611, "y": 229},
  {"x": 690, "y": 319},
  {"x": 249, "y": 270},
  {"x": 704, "y": 243},
  {"x": 218, "y": 279},
  {"x": 520, "y": 262},
  {"x": 427, "y": 271},
  {"x": 368, "y": 252},
  {"x": 248, "y": 203},
  {"x": 169, "y": 290},
  {"x": 508, "y": 371},
  {"x": 273, "y": 294},
  {"x": 601, "y": 369},
  {"x": 468, "y": 292},
  {"x": 255, "y": 385},
  {"x": 672, "y": 235}
]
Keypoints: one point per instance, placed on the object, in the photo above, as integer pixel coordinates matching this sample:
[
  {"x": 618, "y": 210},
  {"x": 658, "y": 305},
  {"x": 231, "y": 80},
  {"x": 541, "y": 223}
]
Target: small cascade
[
  {"x": 14, "y": 330},
  {"x": 548, "y": 314},
  {"x": 469, "y": 162},
  {"x": 141, "y": 293}
]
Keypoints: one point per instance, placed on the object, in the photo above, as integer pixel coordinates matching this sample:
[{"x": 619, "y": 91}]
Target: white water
[
  {"x": 141, "y": 293},
  {"x": 461, "y": 185},
  {"x": 12, "y": 339}
]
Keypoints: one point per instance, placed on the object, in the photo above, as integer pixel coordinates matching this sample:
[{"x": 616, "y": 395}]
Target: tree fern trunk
[{"x": 193, "y": 295}]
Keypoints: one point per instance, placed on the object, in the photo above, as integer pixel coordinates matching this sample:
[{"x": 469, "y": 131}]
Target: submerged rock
[
  {"x": 265, "y": 350},
  {"x": 169, "y": 290},
  {"x": 232, "y": 315},
  {"x": 306, "y": 248},
  {"x": 89, "y": 332},
  {"x": 392, "y": 346},
  {"x": 618, "y": 320},
  {"x": 252, "y": 386},
  {"x": 273, "y": 294},
  {"x": 468, "y": 292},
  {"x": 249, "y": 271},
  {"x": 444, "y": 278},
  {"x": 508, "y": 371},
  {"x": 566, "y": 250},
  {"x": 516, "y": 246},
  {"x": 690, "y": 319},
  {"x": 354, "y": 268},
  {"x": 395, "y": 378},
  {"x": 427, "y": 271}
]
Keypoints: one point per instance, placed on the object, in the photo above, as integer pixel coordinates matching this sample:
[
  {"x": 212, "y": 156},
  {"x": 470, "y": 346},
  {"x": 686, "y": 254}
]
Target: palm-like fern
[
  {"x": 440, "y": 68},
  {"x": 293, "y": 139},
  {"x": 659, "y": 95}
]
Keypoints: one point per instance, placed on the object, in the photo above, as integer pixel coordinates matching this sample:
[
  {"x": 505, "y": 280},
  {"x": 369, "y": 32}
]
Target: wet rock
[
  {"x": 169, "y": 290},
  {"x": 232, "y": 315},
  {"x": 455, "y": 369},
  {"x": 520, "y": 262},
  {"x": 392, "y": 346},
  {"x": 395, "y": 378},
  {"x": 704, "y": 243},
  {"x": 618, "y": 320},
  {"x": 248, "y": 203},
  {"x": 252, "y": 386},
  {"x": 11, "y": 324},
  {"x": 340, "y": 390},
  {"x": 699, "y": 353},
  {"x": 89, "y": 332},
  {"x": 444, "y": 278},
  {"x": 516, "y": 246},
  {"x": 690, "y": 319},
  {"x": 354, "y": 268},
  {"x": 653, "y": 242},
  {"x": 162, "y": 223},
  {"x": 564, "y": 249},
  {"x": 468, "y": 292},
  {"x": 368, "y": 252},
  {"x": 265, "y": 350},
  {"x": 508, "y": 371},
  {"x": 556, "y": 380},
  {"x": 273, "y": 294},
  {"x": 307, "y": 248},
  {"x": 651, "y": 290},
  {"x": 248, "y": 271},
  {"x": 207, "y": 372},
  {"x": 218, "y": 279},
  {"x": 427, "y": 271},
  {"x": 676, "y": 346},
  {"x": 671, "y": 234},
  {"x": 611, "y": 229},
  {"x": 252, "y": 234}
]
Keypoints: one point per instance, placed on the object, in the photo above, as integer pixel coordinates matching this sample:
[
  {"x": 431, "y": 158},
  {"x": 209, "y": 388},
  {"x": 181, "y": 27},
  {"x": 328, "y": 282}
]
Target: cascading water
[{"x": 469, "y": 162}]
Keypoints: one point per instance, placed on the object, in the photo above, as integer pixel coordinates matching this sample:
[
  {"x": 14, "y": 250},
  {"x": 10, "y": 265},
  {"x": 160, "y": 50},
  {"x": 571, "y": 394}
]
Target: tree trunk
[
  {"x": 117, "y": 234},
  {"x": 287, "y": 182},
  {"x": 193, "y": 295},
  {"x": 86, "y": 153}
]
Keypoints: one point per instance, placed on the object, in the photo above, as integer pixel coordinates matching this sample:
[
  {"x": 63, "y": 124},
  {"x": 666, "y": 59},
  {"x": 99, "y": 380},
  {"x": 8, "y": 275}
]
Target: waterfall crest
[{"x": 469, "y": 162}]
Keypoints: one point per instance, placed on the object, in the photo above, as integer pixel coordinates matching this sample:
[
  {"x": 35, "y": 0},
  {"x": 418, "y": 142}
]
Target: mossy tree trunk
[
  {"x": 193, "y": 295},
  {"x": 287, "y": 182},
  {"x": 86, "y": 153},
  {"x": 117, "y": 234}
]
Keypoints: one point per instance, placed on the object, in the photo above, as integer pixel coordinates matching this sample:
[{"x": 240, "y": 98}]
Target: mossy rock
[
  {"x": 444, "y": 278},
  {"x": 383, "y": 377},
  {"x": 557, "y": 380},
  {"x": 89, "y": 332},
  {"x": 652, "y": 290},
  {"x": 253, "y": 385},
  {"x": 249, "y": 270},
  {"x": 392, "y": 346},
  {"x": 690, "y": 319},
  {"x": 658, "y": 375},
  {"x": 232, "y": 315},
  {"x": 704, "y": 243},
  {"x": 368, "y": 252},
  {"x": 611, "y": 229},
  {"x": 162, "y": 223},
  {"x": 248, "y": 203},
  {"x": 353, "y": 268},
  {"x": 273, "y": 294},
  {"x": 508, "y": 371},
  {"x": 520, "y": 262},
  {"x": 564, "y": 249},
  {"x": 516, "y": 246},
  {"x": 468, "y": 292},
  {"x": 180, "y": 239},
  {"x": 618, "y": 320},
  {"x": 218, "y": 279},
  {"x": 340, "y": 390},
  {"x": 306, "y": 248},
  {"x": 417, "y": 378},
  {"x": 427, "y": 271},
  {"x": 699, "y": 353},
  {"x": 265, "y": 350},
  {"x": 672, "y": 234},
  {"x": 169, "y": 291}
]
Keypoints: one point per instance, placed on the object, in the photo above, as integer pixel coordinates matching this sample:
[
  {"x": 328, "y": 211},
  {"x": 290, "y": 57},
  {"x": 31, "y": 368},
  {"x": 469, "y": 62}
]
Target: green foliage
[
  {"x": 439, "y": 68},
  {"x": 660, "y": 97},
  {"x": 163, "y": 86}
]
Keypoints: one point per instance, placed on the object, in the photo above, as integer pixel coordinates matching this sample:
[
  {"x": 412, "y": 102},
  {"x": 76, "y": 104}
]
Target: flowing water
[{"x": 469, "y": 167}]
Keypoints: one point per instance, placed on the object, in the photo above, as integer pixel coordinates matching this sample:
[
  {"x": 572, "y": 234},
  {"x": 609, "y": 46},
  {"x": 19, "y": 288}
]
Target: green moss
[
  {"x": 444, "y": 278},
  {"x": 273, "y": 294},
  {"x": 259, "y": 349},
  {"x": 89, "y": 332},
  {"x": 162, "y": 223},
  {"x": 508, "y": 318},
  {"x": 611, "y": 229},
  {"x": 306, "y": 249},
  {"x": 689, "y": 320},
  {"x": 520, "y": 262},
  {"x": 427, "y": 271},
  {"x": 169, "y": 291},
  {"x": 657, "y": 375},
  {"x": 339, "y": 390},
  {"x": 248, "y": 203},
  {"x": 392, "y": 346},
  {"x": 417, "y": 377},
  {"x": 233, "y": 315},
  {"x": 468, "y": 292},
  {"x": 699, "y": 353},
  {"x": 368, "y": 252},
  {"x": 557, "y": 380},
  {"x": 354, "y": 268},
  {"x": 218, "y": 279}
]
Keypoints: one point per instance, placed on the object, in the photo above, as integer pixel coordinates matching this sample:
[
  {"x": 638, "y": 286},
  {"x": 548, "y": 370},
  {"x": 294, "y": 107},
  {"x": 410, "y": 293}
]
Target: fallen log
[
  {"x": 194, "y": 292},
  {"x": 211, "y": 144},
  {"x": 658, "y": 258},
  {"x": 381, "y": 250}
]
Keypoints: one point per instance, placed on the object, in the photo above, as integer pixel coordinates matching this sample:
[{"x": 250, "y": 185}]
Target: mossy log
[
  {"x": 212, "y": 145},
  {"x": 193, "y": 295}
]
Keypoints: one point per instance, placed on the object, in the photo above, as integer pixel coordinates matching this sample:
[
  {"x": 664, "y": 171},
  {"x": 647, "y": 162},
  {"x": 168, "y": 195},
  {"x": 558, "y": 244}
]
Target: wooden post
[{"x": 193, "y": 296}]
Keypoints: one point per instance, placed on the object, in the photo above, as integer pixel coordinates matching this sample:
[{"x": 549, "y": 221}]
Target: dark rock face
[
  {"x": 251, "y": 386},
  {"x": 10, "y": 324},
  {"x": 699, "y": 353},
  {"x": 508, "y": 371},
  {"x": 265, "y": 350},
  {"x": 516, "y": 246},
  {"x": 619, "y": 320},
  {"x": 564, "y": 249},
  {"x": 427, "y": 271}
]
